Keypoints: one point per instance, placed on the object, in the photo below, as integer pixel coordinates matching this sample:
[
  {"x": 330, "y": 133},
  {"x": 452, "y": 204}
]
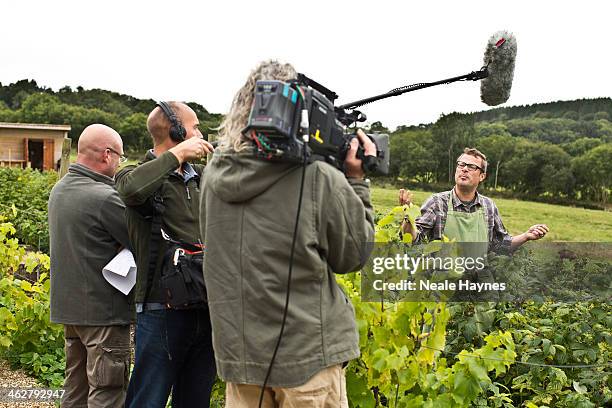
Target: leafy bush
[
  {"x": 545, "y": 334},
  {"x": 426, "y": 354},
  {"x": 23, "y": 201},
  {"x": 27, "y": 337},
  {"x": 401, "y": 364}
]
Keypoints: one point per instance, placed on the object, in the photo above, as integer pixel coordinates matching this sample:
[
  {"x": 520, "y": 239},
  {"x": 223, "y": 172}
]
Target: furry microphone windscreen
[{"x": 499, "y": 58}]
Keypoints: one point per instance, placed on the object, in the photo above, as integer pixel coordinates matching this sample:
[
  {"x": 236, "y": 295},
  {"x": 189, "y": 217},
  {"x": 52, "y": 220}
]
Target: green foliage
[
  {"x": 532, "y": 163},
  {"x": 552, "y": 130},
  {"x": 133, "y": 131},
  {"x": 419, "y": 154},
  {"x": 522, "y": 147},
  {"x": 521, "y": 161},
  {"x": 594, "y": 172},
  {"x": 482, "y": 347},
  {"x": 486, "y": 129},
  {"x": 451, "y": 134},
  {"x": 576, "y": 109},
  {"x": 12, "y": 95},
  {"x": 25, "y": 101},
  {"x": 499, "y": 148},
  {"x": 377, "y": 127},
  {"x": 47, "y": 108},
  {"x": 401, "y": 364},
  {"x": 416, "y": 157},
  {"x": 27, "y": 338},
  {"x": 545, "y": 334},
  {"x": 23, "y": 200},
  {"x": 580, "y": 146}
]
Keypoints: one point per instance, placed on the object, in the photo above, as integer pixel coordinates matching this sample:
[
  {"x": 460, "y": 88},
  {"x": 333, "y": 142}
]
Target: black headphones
[{"x": 177, "y": 131}]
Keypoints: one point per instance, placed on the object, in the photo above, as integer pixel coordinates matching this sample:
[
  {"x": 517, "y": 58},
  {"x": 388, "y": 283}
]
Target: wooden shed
[{"x": 31, "y": 145}]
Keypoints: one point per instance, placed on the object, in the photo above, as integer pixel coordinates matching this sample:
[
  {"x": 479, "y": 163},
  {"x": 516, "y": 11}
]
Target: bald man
[
  {"x": 173, "y": 343},
  {"x": 87, "y": 228}
]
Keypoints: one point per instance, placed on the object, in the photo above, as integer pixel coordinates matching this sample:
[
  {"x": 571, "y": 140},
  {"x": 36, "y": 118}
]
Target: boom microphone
[
  {"x": 496, "y": 76},
  {"x": 499, "y": 58}
]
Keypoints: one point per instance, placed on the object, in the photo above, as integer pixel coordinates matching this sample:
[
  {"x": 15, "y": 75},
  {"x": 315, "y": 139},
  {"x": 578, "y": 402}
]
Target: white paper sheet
[{"x": 121, "y": 271}]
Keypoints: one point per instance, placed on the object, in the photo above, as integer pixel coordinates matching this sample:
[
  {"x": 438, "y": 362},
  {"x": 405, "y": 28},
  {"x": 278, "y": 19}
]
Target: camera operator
[
  {"x": 173, "y": 346},
  {"x": 248, "y": 213}
]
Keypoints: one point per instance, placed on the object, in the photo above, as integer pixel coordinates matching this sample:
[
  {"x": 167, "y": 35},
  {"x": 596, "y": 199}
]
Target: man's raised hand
[
  {"x": 191, "y": 149},
  {"x": 405, "y": 197}
]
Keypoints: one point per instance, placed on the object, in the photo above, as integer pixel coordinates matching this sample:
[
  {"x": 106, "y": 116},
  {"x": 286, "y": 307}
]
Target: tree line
[
  {"x": 25, "y": 101},
  {"x": 567, "y": 158},
  {"x": 560, "y": 150}
]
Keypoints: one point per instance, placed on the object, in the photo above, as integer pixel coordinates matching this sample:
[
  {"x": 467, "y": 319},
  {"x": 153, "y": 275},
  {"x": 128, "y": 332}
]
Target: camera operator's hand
[
  {"x": 193, "y": 148},
  {"x": 352, "y": 164}
]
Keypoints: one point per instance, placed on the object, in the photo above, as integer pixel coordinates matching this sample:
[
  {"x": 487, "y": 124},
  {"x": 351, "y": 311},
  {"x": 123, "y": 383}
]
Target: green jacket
[
  {"x": 87, "y": 228},
  {"x": 247, "y": 216},
  {"x": 136, "y": 185}
]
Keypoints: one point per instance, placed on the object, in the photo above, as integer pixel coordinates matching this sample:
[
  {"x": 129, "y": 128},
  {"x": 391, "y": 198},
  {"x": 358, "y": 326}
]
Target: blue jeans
[{"x": 173, "y": 352}]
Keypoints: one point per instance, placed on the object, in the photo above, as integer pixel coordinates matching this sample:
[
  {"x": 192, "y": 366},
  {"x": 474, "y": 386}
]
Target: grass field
[{"x": 565, "y": 223}]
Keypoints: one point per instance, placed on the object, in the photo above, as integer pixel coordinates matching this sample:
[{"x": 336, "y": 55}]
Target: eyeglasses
[
  {"x": 122, "y": 158},
  {"x": 470, "y": 166}
]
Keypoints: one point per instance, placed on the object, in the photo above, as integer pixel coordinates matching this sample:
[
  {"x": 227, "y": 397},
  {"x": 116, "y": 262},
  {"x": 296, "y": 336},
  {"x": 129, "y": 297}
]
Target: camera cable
[{"x": 304, "y": 126}]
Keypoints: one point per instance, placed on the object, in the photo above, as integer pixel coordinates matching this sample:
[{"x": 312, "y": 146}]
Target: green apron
[
  {"x": 467, "y": 227},
  {"x": 470, "y": 228}
]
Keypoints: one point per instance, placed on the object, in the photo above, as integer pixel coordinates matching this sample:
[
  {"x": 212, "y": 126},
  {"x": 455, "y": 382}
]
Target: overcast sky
[{"x": 203, "y": 51}]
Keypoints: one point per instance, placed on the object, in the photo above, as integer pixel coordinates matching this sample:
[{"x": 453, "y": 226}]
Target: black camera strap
[{"x": 158, "y": 208}]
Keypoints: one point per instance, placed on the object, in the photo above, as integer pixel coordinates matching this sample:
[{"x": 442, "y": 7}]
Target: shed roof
[{"x": 37, "y": 126}]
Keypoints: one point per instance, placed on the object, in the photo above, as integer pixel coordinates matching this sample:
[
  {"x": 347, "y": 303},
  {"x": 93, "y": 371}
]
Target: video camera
[{"x": 290, "y": 121}]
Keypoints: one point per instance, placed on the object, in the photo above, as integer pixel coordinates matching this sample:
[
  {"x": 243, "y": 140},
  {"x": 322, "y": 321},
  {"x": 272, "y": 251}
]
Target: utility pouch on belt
[
  {"x": 181, "y": 278},
  {"x": 182, "y": 281}
]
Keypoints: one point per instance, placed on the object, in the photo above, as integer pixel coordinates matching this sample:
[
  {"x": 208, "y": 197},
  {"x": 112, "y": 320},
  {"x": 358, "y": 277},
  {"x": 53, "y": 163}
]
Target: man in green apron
[{"x": 464, "y": 215}]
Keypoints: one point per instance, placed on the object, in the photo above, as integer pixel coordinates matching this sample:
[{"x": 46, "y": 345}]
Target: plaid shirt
[{"x": 431, "y": 222}]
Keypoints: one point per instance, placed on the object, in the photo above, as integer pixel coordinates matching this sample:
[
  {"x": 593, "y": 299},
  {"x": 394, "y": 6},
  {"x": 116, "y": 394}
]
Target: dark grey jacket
[
  {"x": 247, "y": 215},
  {"x": 86, "y": 228}
]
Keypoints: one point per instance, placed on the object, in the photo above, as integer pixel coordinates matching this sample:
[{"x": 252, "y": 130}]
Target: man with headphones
[{"x": 173, "y": 344}]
